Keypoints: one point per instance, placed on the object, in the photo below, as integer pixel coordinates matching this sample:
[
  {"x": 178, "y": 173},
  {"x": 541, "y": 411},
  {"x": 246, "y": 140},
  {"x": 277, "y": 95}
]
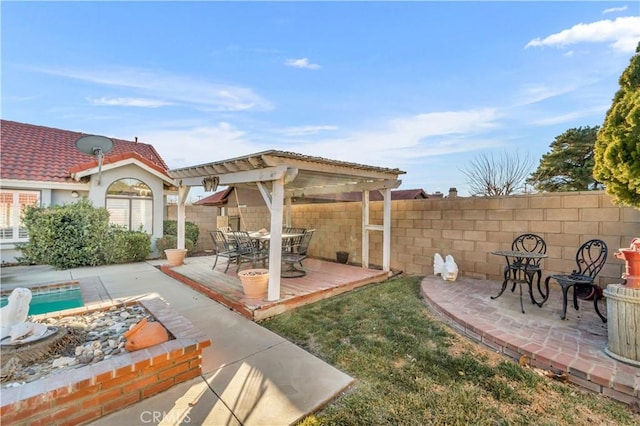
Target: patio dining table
[
  {"x": 519, "y": 270},
  {"x": 266, "y": 236},
  {"x": 263, "y": 238}
]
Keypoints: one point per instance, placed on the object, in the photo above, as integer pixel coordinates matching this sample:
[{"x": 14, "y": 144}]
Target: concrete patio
[{"x": 250, "y": 375}]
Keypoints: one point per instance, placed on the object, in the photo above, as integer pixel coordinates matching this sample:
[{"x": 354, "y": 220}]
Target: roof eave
[{"x": 114, "y": 165}]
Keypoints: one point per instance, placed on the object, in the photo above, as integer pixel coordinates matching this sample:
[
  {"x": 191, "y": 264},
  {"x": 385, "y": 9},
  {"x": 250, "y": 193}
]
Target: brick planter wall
[{"x": 84, "y": 394}]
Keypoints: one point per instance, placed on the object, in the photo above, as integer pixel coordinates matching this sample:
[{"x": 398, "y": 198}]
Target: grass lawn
[{"x": 411, "y": 369}]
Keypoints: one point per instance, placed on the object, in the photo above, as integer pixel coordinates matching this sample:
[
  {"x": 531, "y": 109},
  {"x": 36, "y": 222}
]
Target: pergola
[{"x": 281, "y": 176}]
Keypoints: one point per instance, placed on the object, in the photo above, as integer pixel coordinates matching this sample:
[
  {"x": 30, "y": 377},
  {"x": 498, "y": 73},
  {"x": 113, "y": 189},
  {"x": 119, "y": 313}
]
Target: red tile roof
[
  {"x": 114, "y": 159},
  {"x": 217, "y": 199},
  {"x": 37, "y": 153}
]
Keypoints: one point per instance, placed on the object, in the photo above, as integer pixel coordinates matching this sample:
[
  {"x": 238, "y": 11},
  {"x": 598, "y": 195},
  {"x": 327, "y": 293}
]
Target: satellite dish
[{"x": 96, "y": 146}]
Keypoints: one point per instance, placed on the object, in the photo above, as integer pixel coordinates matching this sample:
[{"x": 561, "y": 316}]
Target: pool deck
[{"x": 250, "y": 375}]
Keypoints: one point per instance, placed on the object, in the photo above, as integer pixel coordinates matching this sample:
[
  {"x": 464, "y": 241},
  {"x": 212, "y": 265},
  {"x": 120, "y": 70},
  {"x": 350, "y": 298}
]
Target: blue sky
[{"x": 420, "y": 86}]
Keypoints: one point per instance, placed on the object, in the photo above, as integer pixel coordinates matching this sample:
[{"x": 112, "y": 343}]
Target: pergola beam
[
  {"x": 247, "y": 176},
  {"x": 335, "y": 189}
]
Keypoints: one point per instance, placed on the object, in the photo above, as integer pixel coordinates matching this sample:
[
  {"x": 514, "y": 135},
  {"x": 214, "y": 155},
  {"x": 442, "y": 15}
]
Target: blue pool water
[{"x": 42, "y": 303}]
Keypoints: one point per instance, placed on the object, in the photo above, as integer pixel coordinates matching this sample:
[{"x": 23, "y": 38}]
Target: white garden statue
[
  {"x": 448, "y": 269},
  {"x": 13, "y": 318}
]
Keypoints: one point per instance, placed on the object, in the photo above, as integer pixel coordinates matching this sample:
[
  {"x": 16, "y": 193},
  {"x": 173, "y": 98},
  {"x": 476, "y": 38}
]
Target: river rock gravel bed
[{"x": 95, "y": 336}]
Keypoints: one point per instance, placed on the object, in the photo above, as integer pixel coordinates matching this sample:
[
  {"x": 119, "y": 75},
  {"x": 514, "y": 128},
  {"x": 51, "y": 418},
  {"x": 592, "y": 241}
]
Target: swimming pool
[{"x": 51, "y": 298}]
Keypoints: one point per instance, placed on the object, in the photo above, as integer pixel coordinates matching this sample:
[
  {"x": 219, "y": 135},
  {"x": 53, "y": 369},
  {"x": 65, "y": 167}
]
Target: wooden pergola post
[{"x": 183, "y": 193}]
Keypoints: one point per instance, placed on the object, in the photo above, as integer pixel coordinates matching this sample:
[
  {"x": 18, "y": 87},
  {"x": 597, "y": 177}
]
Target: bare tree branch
[{"x": 493, "y": 177}]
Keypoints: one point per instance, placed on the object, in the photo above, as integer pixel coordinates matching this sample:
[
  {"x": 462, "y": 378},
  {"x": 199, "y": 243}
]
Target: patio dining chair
[
  {"x": 297, "y": 254},
  {"x": 292, "y": 230},
  {"x": 223, "y": 248},
  {"x": 290, "y": 244},
  {"x": 225, "y": 229},
  {"x": 590, "y": 259},
  {"x": 530, "y": 243},
  {"x": 249, "y": 250}
]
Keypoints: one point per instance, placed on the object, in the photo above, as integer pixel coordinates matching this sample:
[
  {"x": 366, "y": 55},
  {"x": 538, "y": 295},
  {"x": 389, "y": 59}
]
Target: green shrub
[
  {"x": 171, "y": 242},
  {"x": 191, "y": 230},
  {"x": 78, "y": 234},
  {"x": 127, "y": 246},
  {"x": 66, "y": 236}
]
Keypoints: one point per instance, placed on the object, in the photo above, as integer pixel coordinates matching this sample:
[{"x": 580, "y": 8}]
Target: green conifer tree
[
  {"x": 568, "y": 166},
  {"x": 617, "y": 148}
]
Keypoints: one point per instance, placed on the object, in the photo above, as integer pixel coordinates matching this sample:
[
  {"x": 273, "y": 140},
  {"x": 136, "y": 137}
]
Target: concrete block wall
[
  {"x": 468, "y": 228},
  {"x": 203, "y": 216}
]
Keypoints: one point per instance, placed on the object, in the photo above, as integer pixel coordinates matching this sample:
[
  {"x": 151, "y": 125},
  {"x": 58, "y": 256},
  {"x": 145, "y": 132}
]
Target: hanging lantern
[{"x": 210, "y": 183}]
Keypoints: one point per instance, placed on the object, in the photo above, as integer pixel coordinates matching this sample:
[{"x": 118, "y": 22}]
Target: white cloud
[
  {"x": 305, "y": 130},
  {"x": 175, "y": 88},
  {"x": 623, "y": 34},
  {"x": 571, "y": 116},
  {"x": 402, "y": 140},
  {"x": 188, "y": 146},
  {"x": 301, "y": 63},
  {"x": 614, "y": 9},
  {"x": 534, "y": 93},
  {"x": 129, "y": 102},
  {"x": 397, "y": 143}
]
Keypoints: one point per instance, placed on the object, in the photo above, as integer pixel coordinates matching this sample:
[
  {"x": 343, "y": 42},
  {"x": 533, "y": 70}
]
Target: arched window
[{"x": 130, "y": 204}]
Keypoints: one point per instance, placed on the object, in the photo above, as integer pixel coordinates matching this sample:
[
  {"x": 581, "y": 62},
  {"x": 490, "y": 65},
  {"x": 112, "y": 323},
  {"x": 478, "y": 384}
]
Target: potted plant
[
  {"x": 254, "y": 282},
  {"x": 175, "y": 257},
  {"x": 342, "y": 256}
]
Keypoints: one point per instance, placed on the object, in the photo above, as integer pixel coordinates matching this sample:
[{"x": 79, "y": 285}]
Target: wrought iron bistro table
[{"x": 520, "y": 269}]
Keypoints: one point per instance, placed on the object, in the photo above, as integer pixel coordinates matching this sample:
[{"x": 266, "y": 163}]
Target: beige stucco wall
[
  {"x": 467, "y": 228},
  {"x": 61, "y": 194}
]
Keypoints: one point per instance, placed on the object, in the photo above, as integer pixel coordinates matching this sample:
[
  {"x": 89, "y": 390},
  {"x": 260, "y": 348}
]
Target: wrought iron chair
[
  {"x": 225, "y": 229},
  {"x": 291, "y": 230},
  {"x": 289, "y": 245},
  {"x": 530, "y": 243},
  {"x": 297, "y": 255},
  {"x": 249, "y": 250},
  {"x": 590, "y": 259},
  {"x": 223, "y": 248}
]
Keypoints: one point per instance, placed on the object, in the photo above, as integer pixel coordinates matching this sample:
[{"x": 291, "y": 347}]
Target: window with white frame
[
  {"x": 130, "y": 204},
  {"x": 12, "y": 204}
]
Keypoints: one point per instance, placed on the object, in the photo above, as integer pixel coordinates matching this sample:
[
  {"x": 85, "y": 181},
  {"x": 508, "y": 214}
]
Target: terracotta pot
[
  {"x": 254, "y": 282},
  {"x": 175, "y": 257},
  {"x": 145, "y": 334}
]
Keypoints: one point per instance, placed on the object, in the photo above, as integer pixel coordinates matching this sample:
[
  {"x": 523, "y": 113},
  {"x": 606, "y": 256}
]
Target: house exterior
[{"x": 42, "y": 166}]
